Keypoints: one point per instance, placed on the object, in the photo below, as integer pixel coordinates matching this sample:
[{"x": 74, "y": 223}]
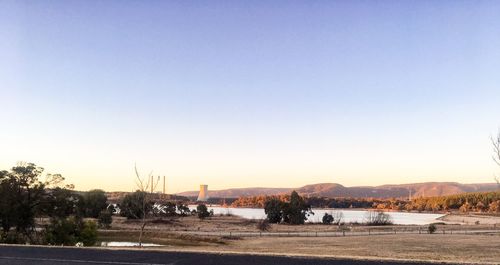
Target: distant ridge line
[{"x": 427, "y": 189}]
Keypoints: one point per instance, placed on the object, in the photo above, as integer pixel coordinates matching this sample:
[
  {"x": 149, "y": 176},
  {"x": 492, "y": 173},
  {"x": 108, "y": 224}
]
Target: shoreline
[{"x": 470, "y": 219}]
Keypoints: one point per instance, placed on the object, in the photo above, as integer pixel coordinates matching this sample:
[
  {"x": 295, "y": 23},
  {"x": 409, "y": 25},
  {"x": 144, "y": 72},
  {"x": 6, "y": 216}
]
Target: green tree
[
  {"x": 88, "y": 233},
  {"x": 272, "y": 208},
  {"x": 93, "y": 202},
  {"x": 69, "y": 231},
  {"x": 202, "y": 211},
  {"x": 62, "y": 231},
  {"x": 135, "y": 205},
  {"x": 59, "y": 202},
  {"x": 21, "y": 193},
  {"x": 296, "y": 211}
]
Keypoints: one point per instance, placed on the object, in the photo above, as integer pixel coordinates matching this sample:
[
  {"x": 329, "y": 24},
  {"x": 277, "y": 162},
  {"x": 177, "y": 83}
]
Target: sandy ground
[{"x": 471, "y": 219}]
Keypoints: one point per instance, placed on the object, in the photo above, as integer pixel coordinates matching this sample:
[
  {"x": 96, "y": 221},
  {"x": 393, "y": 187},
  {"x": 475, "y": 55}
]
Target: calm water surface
[{"x": 400, "y": 218}]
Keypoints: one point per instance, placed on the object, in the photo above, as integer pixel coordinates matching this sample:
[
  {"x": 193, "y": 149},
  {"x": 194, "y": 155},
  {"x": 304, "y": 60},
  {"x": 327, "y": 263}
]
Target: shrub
[
  {"x": 105, "y": 219},
  {"x": 88, "y": 234},
  {"x": 377, "y": 218},
  {"x": 69, "y": 231},
  {"x": 294, "y": 212},
  {"x": 135, "y": 205},
  {"x": 12, "y": 237},
  {"x": 272, "y": 208},
  {"x": 263, "y": 225},
  {"x": 202, "y": 211},
  {"x": 61, "y": 231},
  {"x": 92, "y": 203},
  {"x": 327, "y": 219},
  {"x": 432, "y": 228}
]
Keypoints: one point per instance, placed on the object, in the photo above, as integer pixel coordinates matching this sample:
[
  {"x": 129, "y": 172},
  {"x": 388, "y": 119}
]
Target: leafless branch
[
  {"x": 143, "y": 185},
  {"x": 496, "y": 149},
  {"x": 496, "y": 153}
]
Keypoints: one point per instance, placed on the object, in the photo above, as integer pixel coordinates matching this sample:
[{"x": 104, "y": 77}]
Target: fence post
[
  {"x": 316, "y": 233},
  {"x": 343, "y": 233},
  {"x": 369, "y": 231}
]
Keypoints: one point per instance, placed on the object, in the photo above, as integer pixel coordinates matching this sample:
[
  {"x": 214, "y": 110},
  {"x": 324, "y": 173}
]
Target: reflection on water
[
  {"x": 400, "y": 218},
  {"x": 126, "y": 244}
]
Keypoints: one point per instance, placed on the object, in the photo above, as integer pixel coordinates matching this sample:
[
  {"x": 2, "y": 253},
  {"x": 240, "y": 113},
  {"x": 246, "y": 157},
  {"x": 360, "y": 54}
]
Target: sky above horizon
[{"x": 250, "y": 93}]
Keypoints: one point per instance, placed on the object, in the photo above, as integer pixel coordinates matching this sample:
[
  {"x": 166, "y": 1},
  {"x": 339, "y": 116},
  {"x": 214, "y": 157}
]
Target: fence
[{"x": 340, "y": 233}]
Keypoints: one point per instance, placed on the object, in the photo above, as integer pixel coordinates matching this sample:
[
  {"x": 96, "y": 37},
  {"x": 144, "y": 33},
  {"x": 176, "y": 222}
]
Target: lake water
[
  {"x": 126, "y": 244},
  {"x": 400, "y": 218}
]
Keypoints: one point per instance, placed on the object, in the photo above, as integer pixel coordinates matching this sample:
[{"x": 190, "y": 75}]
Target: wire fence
[{"x": 345, "y": 233}]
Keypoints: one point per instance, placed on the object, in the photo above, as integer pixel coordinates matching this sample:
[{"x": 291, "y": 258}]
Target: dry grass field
[
  {"x": 436, "y": 247},
  {"x": 454, "y": 248}
]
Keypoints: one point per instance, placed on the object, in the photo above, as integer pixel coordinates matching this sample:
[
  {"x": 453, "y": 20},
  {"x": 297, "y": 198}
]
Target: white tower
[{"x": 203, "y": 196}]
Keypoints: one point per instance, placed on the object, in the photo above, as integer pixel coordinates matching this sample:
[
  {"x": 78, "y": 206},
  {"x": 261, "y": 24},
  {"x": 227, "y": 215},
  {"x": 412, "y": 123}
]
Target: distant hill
[
  {"x": 239, "y": 192},
  {"x": 425, "y": 189}
]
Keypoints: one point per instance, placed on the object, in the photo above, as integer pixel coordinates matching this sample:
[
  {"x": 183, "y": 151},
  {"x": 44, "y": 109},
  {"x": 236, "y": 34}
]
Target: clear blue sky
[{"x": 251, "y": 93}]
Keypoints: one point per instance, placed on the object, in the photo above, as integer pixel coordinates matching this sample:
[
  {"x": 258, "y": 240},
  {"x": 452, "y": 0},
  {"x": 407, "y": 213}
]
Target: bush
[
  {"x": 69, "y": 231},
  {"x": 62, "y": 231},
  {"x": 105, "y": 219},
  {"x": 377, "y": 218},
  {"x": 272, "y": 208},
  {"x": 92, "y": 203},
  {"x": 263, "y": 225},
  {"x": 132, "y": 205},
  {"x": 432, "y": 228},
  {"x": 202, "y": 211},
  {"x": 327, "y": 219},
  {"x": 12, "y": 237},
  {"x": 294, "y": 212},
  {"x": 88, "y": 234}
]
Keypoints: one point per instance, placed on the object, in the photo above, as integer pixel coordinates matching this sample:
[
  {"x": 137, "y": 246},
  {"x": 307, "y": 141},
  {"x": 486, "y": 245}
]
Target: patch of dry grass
[
  {"x": 167, "y": 239},
  {"x": 454, "y": 248}
]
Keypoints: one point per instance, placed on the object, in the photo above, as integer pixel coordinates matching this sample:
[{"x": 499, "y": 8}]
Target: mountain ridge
[{"x": 423, "y": 189}]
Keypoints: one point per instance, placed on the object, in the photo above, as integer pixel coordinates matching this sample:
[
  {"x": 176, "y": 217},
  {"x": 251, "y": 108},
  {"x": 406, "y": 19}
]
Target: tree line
[
  {"x": 26, "y": 196},
  {"x": 465, "y": 202}
]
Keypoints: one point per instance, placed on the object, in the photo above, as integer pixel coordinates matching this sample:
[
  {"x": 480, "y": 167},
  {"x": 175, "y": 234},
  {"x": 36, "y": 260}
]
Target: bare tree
[
  {"x": 142, "y": 185},
  {"x": 496, "y": 153}
]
